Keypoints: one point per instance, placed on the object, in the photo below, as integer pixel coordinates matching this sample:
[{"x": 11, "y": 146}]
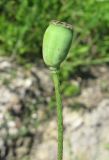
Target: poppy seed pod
[{"x": 56, "y": 43}]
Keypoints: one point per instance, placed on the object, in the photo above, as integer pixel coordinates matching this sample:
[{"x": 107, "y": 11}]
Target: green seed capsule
[{"x": 56, "y": 43}]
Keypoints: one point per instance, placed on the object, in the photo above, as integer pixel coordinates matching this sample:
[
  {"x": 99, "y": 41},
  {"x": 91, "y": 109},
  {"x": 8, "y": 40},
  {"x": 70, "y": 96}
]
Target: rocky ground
[{"x": 28, "y": 128}]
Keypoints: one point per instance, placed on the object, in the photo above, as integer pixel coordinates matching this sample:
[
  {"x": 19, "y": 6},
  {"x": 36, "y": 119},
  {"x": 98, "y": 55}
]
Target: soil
[{"x": 28, "y": 127}]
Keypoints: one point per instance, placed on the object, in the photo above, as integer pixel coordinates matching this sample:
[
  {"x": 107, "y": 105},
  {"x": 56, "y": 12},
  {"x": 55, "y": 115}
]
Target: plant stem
[{"x": 59, "y": 115}]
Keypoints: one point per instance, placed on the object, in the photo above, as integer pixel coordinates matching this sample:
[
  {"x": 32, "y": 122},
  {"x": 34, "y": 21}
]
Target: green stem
[{"x": 59, "y": 115}]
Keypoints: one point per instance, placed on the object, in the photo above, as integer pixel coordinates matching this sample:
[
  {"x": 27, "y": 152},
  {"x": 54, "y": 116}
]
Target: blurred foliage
[
  {"x": 22, "y": 25},
  {"x": 106, "y": 146},
  {"x": 70, "y": 90}
]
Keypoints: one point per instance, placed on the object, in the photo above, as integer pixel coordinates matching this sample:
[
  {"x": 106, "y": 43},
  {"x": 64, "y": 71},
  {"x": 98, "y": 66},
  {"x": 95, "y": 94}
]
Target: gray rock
[
  {"x": 23, "y": 116},
  {"x": 85, "y": 135}
]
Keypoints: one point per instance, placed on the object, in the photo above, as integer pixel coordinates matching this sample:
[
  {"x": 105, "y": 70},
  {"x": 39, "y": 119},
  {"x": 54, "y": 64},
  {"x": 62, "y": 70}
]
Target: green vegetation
[
  {"x": 22, "y": 24},
  {"x": 70, "y": 89}
]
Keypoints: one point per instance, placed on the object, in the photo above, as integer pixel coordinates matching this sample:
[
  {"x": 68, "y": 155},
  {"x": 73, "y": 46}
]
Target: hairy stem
[{"x": 59, "y": 115}]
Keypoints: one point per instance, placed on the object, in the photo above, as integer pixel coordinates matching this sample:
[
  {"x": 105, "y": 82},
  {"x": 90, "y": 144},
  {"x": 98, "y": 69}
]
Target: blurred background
[{"x": 28, "y": 126}]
